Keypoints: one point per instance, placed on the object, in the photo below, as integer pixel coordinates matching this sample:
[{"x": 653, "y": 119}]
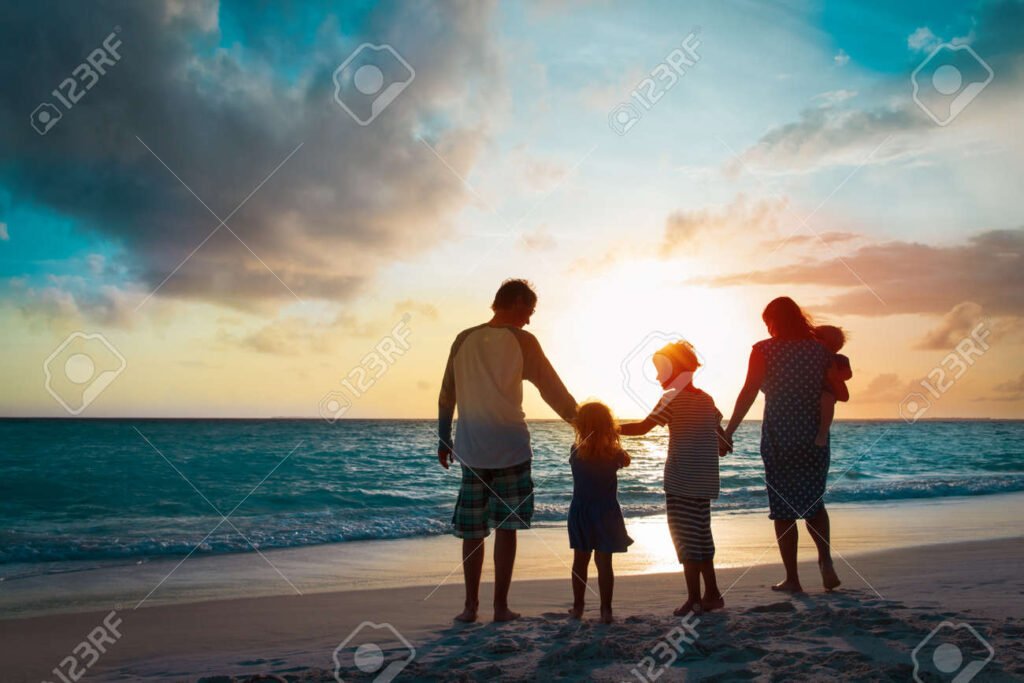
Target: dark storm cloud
[{"x": 223, "y": 116}]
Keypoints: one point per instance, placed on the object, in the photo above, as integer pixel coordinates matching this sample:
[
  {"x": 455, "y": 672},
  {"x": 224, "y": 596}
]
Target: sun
[{"x": 617, "y": 318}]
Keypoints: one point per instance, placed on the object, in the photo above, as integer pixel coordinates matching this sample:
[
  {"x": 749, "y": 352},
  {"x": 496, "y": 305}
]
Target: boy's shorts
[
  {"x": 689, "y": 523},
  {"x": 501, "y": 498}
]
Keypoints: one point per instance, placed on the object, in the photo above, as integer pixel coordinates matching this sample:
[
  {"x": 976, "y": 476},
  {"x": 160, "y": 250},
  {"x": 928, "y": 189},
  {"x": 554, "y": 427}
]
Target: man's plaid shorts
[{"x": 501, "y": 498}]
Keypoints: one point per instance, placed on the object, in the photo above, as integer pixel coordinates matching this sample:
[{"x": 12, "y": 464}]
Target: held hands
[
  {"x": 724, "y": 444},
  {"x": 444, "y": 456}
]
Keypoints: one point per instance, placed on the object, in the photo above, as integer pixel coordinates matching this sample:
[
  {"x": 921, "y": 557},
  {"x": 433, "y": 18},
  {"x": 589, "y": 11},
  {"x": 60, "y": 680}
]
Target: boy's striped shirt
[{"x": 691, "y": 468}]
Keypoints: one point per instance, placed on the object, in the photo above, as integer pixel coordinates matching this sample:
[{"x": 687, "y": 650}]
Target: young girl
[
  {"x": 695, "y": 442},
  {"x": 832, "y": 338},
  {"x": 595, "y": 518}
]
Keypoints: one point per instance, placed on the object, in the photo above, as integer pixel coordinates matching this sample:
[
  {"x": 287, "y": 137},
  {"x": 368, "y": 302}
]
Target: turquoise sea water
[{"x": 95, "y": 490}]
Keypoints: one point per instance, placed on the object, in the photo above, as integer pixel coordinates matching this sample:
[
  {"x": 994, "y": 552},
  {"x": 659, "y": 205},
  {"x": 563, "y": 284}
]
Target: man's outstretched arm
[{"x": 538, "y": 371}]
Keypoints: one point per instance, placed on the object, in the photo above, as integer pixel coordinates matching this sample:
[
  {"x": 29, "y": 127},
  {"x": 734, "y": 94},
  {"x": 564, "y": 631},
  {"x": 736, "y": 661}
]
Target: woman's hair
[
  {"x": 787, "y": 320},
  {"x": 597, "y": 432},
  {"x": 832, "y": 338}
]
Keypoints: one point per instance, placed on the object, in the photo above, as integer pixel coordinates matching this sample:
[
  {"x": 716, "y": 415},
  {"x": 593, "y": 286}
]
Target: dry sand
[{"x": 889, "y": 603}]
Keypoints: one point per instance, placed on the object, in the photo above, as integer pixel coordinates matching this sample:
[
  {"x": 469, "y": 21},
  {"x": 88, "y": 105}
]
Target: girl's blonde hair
[{"x": 597, "y": 432}]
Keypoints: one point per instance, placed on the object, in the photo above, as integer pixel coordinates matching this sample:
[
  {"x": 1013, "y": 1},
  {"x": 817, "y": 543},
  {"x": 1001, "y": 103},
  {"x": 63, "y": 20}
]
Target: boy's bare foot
[
  {"x": 829, "y": 578},
  {"x": 821, "y": 440},
  {"x": 712, "y": 602},
  {"x": 606, "y": 615},
  {"x": 576, "y": 611},
  {"x": 788, "y": 586},
  {"x": 506, "y": 614},
  {"x": 690, "y": 605},
  {"x": 468, "y": 615}
]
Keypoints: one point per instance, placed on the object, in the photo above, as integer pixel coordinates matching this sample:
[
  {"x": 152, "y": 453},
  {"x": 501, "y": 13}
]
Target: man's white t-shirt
[{"x": 484, "y": 378}]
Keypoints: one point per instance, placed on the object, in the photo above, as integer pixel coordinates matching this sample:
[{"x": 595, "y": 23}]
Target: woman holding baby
[{"x": 798, "y": 375}]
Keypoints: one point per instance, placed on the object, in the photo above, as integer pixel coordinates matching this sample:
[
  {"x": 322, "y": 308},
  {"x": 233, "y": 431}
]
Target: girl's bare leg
[
  {"x": 580, "y": 566},
  {"x": 606, "y": 583}
]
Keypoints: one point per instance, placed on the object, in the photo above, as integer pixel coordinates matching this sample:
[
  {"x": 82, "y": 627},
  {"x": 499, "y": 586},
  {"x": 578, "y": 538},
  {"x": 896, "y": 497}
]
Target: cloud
[
  {"x": 832, "y": 135},
  {"x": 912, "y": 277},
  {"x": 224, "y": 115},
  {"x": 540, "y": 239},
  {"x": 826, "y": 135},
  {"x": 1011, "y": 390},
  {"x": 954, "y": 326},
  {"x": 923, "y": 40},
  {"x": 69, "y": 301},
  {"x": 427, "y": 310},
  {"x": 830, "y": 237},
  {"x": 886, "y": 388},
  {"x": 741, "y": 216},
  {"x": 4, "y": 235}
]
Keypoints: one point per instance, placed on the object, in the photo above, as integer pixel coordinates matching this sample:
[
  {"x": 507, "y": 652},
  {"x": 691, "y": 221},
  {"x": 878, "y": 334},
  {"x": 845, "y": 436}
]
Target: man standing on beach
[{"x": 484, "y": 377}]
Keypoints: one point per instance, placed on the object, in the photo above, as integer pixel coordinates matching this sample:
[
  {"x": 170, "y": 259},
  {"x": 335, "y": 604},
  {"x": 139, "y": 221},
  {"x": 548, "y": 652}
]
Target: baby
[{"x": 832, "y": 338}]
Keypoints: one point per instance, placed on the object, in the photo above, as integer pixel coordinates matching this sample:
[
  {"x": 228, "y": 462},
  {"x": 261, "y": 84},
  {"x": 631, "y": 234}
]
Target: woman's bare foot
[
  {"x": 606, "y": 615},
  {"x": 709, "y": 603},
  {"x": 788, "y": 586},
  {"x": 506, "y": 614},
  {"x": 576, "y": 611},
  {"x": 829, "y": 578},
  {"x": 691, "y": 605},
  {"x": 468, "y": 615}
]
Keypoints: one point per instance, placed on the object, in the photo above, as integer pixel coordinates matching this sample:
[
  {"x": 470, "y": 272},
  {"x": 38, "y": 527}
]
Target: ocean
[{"x": 113, "y": 491}]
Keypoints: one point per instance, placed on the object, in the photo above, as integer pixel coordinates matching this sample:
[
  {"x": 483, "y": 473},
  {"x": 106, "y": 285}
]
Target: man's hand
[{"x": 444, "y": 456}]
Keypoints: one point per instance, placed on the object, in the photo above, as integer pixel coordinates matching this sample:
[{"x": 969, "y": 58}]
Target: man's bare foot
[
  {"x": 690, "y": 605},
  {"x": 505, "y": 614},
  {"x": 468, "y": 615},
  {"x": 788, "y": 586},
  {"x": 606, "y": 615},
  {"x": 576, "y": 611},
  {"x": 821, "y": 440},
  {"x": 829, "y": 578},
  {"x": 712, "y": 602}
]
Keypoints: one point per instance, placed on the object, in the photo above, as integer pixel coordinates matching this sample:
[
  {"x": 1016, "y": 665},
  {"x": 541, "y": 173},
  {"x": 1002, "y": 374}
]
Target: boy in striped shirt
[{"x": 695, "y": 443}]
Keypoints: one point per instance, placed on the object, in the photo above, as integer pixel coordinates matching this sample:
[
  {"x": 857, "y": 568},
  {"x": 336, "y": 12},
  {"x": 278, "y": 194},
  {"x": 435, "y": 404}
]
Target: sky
[{"x": 210, "y": 209}]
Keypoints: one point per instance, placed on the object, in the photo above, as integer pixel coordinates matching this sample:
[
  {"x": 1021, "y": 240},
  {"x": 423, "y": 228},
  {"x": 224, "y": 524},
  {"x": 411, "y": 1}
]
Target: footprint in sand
[{"x": 775, "y": 607}]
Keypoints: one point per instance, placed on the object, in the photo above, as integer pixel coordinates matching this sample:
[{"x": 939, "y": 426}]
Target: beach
[{"x": 889, "y": 603}]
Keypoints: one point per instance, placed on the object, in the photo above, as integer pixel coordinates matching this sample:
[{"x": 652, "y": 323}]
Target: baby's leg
[
  {"x": 828, "y": 413},
  {"x": 606, "y": 582},
  {"x": 580, "y": 566}
]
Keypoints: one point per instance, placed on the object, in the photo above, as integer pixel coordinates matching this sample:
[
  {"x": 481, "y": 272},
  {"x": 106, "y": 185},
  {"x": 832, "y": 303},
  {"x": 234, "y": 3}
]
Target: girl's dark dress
[{"x": 595, "y": 518}]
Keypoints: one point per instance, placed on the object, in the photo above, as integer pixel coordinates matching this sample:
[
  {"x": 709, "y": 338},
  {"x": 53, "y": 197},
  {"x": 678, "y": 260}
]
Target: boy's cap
[{"x": 682, "y": 355}]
